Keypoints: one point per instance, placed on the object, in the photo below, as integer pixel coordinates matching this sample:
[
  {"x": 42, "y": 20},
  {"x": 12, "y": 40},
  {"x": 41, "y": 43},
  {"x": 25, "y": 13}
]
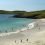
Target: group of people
[{"x": 22, "y": 40}]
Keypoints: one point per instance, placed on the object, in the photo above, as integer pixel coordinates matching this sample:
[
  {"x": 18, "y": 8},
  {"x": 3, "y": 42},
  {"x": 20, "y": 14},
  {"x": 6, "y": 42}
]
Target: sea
[{"x": 10, "y": 24}]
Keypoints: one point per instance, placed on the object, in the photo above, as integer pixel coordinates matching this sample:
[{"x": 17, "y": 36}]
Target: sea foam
[
  {"x": 9, "y": 33},
  {"x": 31, "y": 25}
]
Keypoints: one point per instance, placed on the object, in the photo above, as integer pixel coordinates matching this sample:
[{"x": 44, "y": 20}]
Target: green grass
[{"x": 33, "y": 14}]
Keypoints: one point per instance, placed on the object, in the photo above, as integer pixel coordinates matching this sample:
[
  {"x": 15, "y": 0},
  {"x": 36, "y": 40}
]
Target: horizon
[
  {"x": 22, "y": 5},
  {"x": 22, "y": 10}
]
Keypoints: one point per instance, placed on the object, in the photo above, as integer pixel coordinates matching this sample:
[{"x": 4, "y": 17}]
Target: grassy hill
[
  {"x": 34, "y": 14},
  {"x": 24, "y": 14}
]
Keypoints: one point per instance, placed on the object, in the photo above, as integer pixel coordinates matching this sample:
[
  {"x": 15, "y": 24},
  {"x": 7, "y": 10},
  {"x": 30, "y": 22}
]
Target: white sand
[{"x": 36, "y": 36}]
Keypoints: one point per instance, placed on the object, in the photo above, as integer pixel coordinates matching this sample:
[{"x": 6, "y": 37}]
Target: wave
[
  {"x": 9, "y": 33},
  {"x": 29, "y": 26}
]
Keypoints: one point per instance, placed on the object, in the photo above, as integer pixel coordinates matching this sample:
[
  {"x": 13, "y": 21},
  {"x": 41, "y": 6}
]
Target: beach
[{"x": 35, "y": 36}]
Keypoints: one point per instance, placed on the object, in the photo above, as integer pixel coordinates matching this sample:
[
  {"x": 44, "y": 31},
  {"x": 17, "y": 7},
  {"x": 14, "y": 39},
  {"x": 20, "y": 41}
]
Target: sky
[{"x": 26, "y": 5}]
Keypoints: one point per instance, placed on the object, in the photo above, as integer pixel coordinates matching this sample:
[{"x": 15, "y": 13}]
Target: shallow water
[{"x": 8, "y": 24}]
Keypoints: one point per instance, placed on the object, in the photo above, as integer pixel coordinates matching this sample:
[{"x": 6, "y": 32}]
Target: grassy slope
[
  {"x": 24, "y": 14},
  {"x": 34, "y": 14}
]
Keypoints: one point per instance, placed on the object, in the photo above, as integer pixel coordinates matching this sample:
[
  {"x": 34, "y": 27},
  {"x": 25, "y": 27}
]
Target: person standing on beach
[
  {"x": 38, "y": 26},
  {"x": 21, "y": 41},
  {"x": 15, "y": 41},
  {"x": 27, "y": 40},
  {"x": 0, "y": 31}
]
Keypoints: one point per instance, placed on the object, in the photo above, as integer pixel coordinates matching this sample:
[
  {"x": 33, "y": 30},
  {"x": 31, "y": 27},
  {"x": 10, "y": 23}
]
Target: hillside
[
  {"x": 24, "y": 14},
  {"x": 34, "y": 14}
]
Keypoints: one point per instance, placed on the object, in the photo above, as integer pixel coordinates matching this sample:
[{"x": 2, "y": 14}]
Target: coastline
[{"x": 34, "y": 35}]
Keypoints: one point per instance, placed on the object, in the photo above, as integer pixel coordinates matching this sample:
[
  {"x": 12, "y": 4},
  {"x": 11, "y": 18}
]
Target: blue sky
[{"x": 28, "y": 5}]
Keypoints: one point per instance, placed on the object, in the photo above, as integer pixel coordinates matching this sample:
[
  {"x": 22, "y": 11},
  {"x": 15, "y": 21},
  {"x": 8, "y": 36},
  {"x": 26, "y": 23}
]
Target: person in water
[
  {"x": 6, "y": 31},
  {"x": 0, "y": 31},
  {"x": 12, "y": 28}
]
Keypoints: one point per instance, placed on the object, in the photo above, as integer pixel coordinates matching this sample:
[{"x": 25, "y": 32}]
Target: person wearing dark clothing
[
  {"x": 21, "y": 41},
  {"x": 15, "y": 41},
  {"x": 27, "y": 40}
]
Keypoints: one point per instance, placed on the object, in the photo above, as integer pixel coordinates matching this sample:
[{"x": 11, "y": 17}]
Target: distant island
[{"x": 25, "y": 14}]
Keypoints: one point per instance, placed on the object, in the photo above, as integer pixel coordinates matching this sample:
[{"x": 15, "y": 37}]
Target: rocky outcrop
[{"x": 23, "y": 16}]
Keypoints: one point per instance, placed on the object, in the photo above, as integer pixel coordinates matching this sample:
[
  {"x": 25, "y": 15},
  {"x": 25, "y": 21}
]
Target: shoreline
[{"x": 34, "y": 35}]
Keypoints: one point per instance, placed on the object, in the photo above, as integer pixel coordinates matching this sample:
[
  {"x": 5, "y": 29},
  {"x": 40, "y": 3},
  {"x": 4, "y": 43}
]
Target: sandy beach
[{"x": 35, "y": 36}]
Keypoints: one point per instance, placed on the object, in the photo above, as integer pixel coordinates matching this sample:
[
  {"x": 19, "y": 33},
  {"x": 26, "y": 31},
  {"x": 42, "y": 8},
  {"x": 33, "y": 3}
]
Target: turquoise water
[{"x": 8, "y": 24}]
